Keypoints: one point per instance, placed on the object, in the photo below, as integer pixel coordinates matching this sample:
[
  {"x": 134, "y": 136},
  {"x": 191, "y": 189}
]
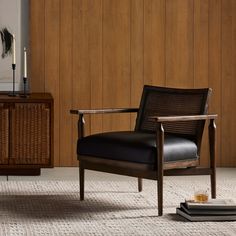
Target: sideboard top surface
[{"x": 37, "y": 97}]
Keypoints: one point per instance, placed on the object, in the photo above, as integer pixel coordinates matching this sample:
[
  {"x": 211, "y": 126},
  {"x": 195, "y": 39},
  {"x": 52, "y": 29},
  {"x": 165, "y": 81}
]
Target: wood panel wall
[{"x": 100, "y": 53}]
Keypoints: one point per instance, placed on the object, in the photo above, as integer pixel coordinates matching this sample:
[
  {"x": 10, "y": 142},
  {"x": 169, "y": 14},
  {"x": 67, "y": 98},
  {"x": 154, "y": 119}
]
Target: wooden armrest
[
  {"x": 103, "y": 111},
  {"x": 182, "y": 118}
]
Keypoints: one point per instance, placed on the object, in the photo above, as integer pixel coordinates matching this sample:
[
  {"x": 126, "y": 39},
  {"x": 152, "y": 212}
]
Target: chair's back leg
[
  {"x": 140, "y": 184},
  {"x": 81, "y": 181},
  {"x": 160, "y": 194},
  {"x": 212, "y": 144},
  {"x": 160, "y": 163}
]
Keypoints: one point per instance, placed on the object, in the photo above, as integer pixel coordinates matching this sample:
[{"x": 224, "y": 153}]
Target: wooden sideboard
[{"x": 26, "y": 134}]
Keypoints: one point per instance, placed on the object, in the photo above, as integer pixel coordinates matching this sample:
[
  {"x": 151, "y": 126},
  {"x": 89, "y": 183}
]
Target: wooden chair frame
[{"x": 143, "y": 170}]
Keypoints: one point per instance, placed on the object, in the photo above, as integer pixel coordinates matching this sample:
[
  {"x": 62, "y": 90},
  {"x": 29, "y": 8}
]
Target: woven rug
[{"x": 109, "y": 208}]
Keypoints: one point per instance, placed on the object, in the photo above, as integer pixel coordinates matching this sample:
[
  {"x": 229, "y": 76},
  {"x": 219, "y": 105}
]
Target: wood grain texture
[
  {"x": 229, "y": 82},
  {"x": 137, "y": 55},
  {"x": 179, "y": 43},
  {"x": 65, "y": 78},
  {"x": 98, "y": 54},
  {"x": 116, "y": 62},
  {"x": 95, "y": 61},
  {"x": 200, "y": 69},
  {"x": 154, "y": 42},
  {"x": 81, "y": 82},
  {"x": 37, "y": 45},
  {"x": 214, "y": 70},
  {"x": 52, "y": 36}
]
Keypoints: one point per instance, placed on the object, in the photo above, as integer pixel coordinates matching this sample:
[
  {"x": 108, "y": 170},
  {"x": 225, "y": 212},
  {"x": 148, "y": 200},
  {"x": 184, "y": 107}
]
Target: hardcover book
[
  {"x": 191, "y": 217},
  {"x": 213, "y": 204},
  {"x": 203, "y": 211}
]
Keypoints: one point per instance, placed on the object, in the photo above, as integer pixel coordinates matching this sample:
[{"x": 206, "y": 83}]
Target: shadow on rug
[{"x": 109, "y": 208}]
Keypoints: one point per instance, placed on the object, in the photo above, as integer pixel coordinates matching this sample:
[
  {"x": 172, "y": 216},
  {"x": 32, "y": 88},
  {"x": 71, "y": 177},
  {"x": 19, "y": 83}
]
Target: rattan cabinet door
[
  {"x": 4, "y": 134},
  {"x": 30, "y": 134}
]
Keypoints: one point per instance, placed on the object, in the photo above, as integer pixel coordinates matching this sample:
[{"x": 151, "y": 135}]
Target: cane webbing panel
[
  {"x": 158, "y": 101},
  {"x": 4, "y": 135},
  {"x": 30, "y": 132}
]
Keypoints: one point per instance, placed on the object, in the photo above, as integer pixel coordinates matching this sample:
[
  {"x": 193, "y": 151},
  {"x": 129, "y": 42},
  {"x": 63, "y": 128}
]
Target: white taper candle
[
  {"x": 25, "y": 63},
  {"x": 13, "y": 50}
]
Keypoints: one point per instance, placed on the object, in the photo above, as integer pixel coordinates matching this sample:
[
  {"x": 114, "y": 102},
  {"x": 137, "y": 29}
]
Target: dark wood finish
[
  {"x": 186, "y": 163},
  {"x": 180, "y": 101},
  {"x": 81, "y": 181},
  {"x": 183, "y": 118},
  {"x": 4, "y": 134},
  {"x": 103, "y": 111},
  {"x": 160, "y": 162},
  {"x": 188, "y": 171},
  {"x": 212, "y": 142},
  {"x": 30, "y": 132},
  {"x": 141, "y": 170},
  {"x": 140, "y": 184},
  {"x": 20, "y": 171},
  {"x": 81, "y": 123},
  {"x": 33, "y": 97}
]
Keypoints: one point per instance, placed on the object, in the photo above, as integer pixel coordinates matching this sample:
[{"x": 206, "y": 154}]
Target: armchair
[{"x": 166, "y": 139}]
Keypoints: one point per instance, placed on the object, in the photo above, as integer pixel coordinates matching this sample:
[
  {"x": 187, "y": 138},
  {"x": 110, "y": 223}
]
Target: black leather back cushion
[{"x": 132, "y": 146}]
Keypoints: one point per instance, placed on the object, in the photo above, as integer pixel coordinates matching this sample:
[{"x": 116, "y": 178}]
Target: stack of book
[{"x": 213, "y": 210}]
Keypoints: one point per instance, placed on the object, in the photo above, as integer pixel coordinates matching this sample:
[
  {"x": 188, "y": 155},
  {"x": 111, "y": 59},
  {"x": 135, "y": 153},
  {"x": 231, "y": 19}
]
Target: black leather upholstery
[{"x": 133, "y": 146}]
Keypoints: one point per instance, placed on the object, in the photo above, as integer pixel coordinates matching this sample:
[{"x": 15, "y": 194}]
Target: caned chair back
[{"x": 160, "y": 101}]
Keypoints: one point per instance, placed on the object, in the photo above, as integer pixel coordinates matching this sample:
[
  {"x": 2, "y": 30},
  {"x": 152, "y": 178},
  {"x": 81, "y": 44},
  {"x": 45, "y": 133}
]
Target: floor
[
  {"x": 113, "y": 205},
  {"x": 72, "y": 173}
]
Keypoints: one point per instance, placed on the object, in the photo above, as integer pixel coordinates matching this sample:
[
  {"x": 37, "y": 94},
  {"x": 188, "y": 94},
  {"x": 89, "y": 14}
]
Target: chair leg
[
  {"x": 81, "y": 181},
  {"x": 212, "y": 142},
  {"x": 160, "y": 196},
  {"x": 160, "y": 172},
  {"x": 140, "y": 184},
  {"x": 213, "y": 185}
]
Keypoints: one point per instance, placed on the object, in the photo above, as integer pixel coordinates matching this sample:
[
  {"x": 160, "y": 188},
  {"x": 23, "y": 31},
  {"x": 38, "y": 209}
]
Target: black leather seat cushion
[{"x": 136, "y": 147}]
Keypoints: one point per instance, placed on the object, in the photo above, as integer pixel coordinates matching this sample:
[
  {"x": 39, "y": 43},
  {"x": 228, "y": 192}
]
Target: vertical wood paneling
[
  {"x": 95, "y": 61},
  {"x": 100, "y": 53},
  {"x": 200, "y": 42},
  {"x": 154, "y": 42},
  {"x": 81, "y": 59},
  {"x": 116, "y": 62},
  {"x": 179, "y": 43},
  {"x": 66, "y": 152},
  {"x": 137, "y": 56},
  {"x": 215, "y": 67},
  {"x": 52, "y": 15},
  {"x": 229, "y": 82},
  {"x": 201, "y": 62},
  {"x": 37, "y": 45}
]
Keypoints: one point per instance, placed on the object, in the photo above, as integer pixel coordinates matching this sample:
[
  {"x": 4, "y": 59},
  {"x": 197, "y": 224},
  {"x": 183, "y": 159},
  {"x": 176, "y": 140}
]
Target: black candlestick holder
[
  {"x": 13, "y": 93},
  {"x": 25, "y": 94}
]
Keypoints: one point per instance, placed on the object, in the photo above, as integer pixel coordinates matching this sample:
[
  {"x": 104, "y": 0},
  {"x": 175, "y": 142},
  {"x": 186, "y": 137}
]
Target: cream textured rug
[{"x": 110, "y": 208}]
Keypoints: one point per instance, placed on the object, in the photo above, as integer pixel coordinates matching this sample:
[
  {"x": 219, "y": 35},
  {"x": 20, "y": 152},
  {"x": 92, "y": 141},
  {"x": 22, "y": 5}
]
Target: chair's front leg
[
  {"x": 81, "y": 123},
  {"x": 140, "y": 184},
  {"x": 212, "y": 144},
  {"x": 81, "y": 180},
  {"x": 160, "y": 162}
]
